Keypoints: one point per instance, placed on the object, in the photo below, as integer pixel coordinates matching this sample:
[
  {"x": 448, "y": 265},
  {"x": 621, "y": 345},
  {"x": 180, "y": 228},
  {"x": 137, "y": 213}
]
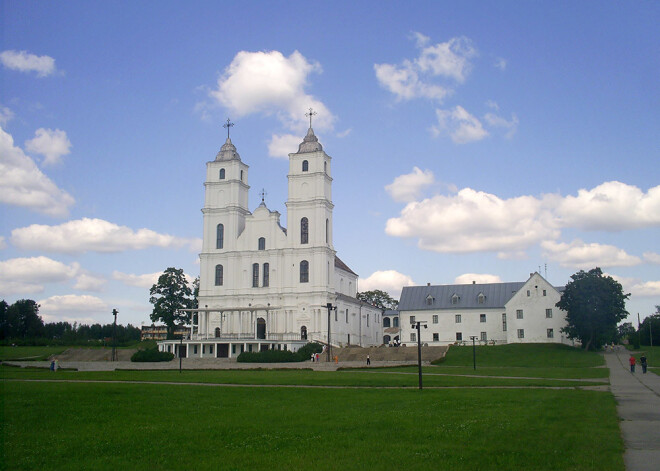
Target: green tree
[
  {"x": 170, "y": 294},
  {"x": 378, "y": 298},
  {"x": 21, "y": 319},
  {"x": 649, "y": 331},
  {"x": 594, "y": 305}
]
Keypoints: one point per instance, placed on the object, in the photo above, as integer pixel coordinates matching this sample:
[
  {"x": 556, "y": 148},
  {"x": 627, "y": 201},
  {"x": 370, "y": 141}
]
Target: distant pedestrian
[
  {"x": 52, "y": 365},
  {"x": 632, "y": 361},
  {"x": 368, "y": 360},
  {"x": 57, "y": 364},
  {"x": 313, "y": 356},
  {"x": 317, "y": 358},
  {"x": 642, "y": 361}
]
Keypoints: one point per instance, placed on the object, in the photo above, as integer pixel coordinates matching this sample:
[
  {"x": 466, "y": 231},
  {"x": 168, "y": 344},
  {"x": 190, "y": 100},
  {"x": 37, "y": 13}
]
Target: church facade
[{"x": 263, "y": 286}]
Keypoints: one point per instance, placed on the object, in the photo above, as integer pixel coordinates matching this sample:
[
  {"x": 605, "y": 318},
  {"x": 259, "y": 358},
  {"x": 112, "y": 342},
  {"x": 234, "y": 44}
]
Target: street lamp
[
  {"x": 330, "y": 308},
  {"x": 180, "y": 347},
  {"x": 474, "y": 351},
  {"x": 114, "y": 336},
  {"x": 418, "y": 324}
]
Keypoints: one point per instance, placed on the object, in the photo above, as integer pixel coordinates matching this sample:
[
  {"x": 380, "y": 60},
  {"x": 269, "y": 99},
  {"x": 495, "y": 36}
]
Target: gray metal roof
[{"x": 414, "y": 298}]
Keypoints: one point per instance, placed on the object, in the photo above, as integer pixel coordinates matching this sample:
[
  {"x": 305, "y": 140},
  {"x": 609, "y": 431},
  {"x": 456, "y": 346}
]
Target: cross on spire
[
  {"x": 309, "y": 115},
  {"x": 228, "y": 125},
  {"x": 263, "y": 195}
]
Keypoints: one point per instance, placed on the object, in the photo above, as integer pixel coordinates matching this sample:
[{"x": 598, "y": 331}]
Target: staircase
[{"x": 391, "y": 354}]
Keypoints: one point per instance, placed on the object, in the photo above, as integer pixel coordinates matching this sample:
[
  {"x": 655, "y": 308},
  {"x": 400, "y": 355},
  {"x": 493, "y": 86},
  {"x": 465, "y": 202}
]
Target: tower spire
[
  {"x": 228, "y": 125},
  {"x": 309, "y": 115}
]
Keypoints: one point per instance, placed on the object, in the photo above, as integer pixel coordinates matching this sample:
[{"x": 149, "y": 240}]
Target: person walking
[
  {"x": 632, "y": 362},
  {"x": 368, "y": 360},
  {"x": 642, "y": 361}
]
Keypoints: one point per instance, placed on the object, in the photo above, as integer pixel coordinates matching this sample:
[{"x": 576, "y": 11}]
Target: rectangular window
[
  {"x": 548, "y": 313},
  {"x": 195, "y": 349},
  {"x": 233, "y": 349},
  {"x": 528, "y": 293},
  {"x": 459, "y": 336},
  {"x": 435, "y": 318},
  {"x": 347, "y": 316},
  {"x": 551, "y": 333},
  {"x": 544, "y": 293},
  {"x": 255, "y": 275},
  {"x": 484, "y": 336},
  {"x": 519, "y": 314},
  {"x": 413, "y": 337},
  {"x": 521, "y": 333},
  {"x": 367, "y": 320},
  {"x": 336, "y": 315},
  {"x": 436, "y": 337},
  {"x": 458, "y": 318},
  {"x": 482, "y": 318},
  {"x": 412, "y": 319},
  {"x": 266, "y": 275},
  {"x": 504, "y": 322},
  {"x": 211, "y": 349}
]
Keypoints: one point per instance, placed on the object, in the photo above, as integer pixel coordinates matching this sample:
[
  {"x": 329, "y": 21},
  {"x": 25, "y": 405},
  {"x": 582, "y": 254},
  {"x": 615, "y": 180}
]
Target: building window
[
  {"x": 436, "y": 337},
  {"x": 222, "y": 174},
  {"x": 412, "y": 319},
  {"x": 367, "y": 320},
  {"x": 413, "y": 337},
  {"x": 429, "y": 300},
  {"x": 195, "y": 349},
  {"x": 335, "y": 315},
  {"x": 304, "y": 231},
  {"x": 327, "y": 231},
  {"x": 551, "y": 333},
  {"x": 454, "y": 299},
  {"x": 219, "y": 275},
  {"x": 459, "y": 336},
  {"x": 395, "y": 322},
  {"x": 435, "y": 318},
  {"x": 304, "y": 271},
  {"x": 519, "y": 314},
  {"x": 521, "y": 333},
  {"x": 347, "y": 316},
  {"x": 211, "y": 349},
  {"x": 255, "y": 275},
  {"x": 484, "y": 336},
  {"x": 262, "y": 243},
  {"x": 266, "y": 275},
  {"x": 481, "y": 298},
  {"x": 544, "y": 293},
  {"x": 241, "y": 175},
  {"x": 386, "y": 321},
  {"x": 325, "y": 167},
  {"x": 504, "y": 322},
  {"x": 528, "y": 293},
  {"x": 305, "y": 166},
  {"x": 219, "y": 236},
  {"x": 457, "y": 317},
  {"x": 548, "y": 313},
  {"x": 482, "y": 317}
]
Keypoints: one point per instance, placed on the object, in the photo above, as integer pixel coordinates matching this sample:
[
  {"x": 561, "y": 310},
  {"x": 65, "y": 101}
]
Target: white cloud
[
  {"x": 3, "y": 243},
  {"x": 579, "y": 254},
  {"x": 405, "y": 83},
  {"x": 141, "y": 281},
  {"x": 73, "y": 308},
  {"x": 283, "y": 145},
  {"x": 23, "y": 61},
  {"x": 344, "y": 133},
  {"x": 23, "y": 184},
  {"x": 611, "y": 206},
  {"x": 652, "y": 257},
  {"x": 6, "y": 115},
  {"x": 52, "y": 144},
  {"x": 92, "y": 235},
  {"x": 449, "y": 59},
  {"x": 88, "y": 282},
  {"x": 270, "y": 83},
  {"x": 408, "y": 187},
  {"x": 390, "y": 281},
  {"x": 637, "y": 287},
  {"x": 500, "y": 63},
  {"x": 510, "y": 127},
  {"x": 473, "y": 221},
  {"x": 461, "y": 126},
  {"x": 28, "y": 275},
  {"x": 468, "y": 278}
]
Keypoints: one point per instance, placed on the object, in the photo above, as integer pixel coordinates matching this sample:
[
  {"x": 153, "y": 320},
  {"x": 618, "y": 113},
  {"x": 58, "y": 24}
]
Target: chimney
[
  {"x": 474, "y": 282},
  {"x": 428, "y": 284}
]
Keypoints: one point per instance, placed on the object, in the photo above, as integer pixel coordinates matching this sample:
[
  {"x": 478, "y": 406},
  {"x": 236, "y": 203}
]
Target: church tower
[{"x": 309, "y": 212}]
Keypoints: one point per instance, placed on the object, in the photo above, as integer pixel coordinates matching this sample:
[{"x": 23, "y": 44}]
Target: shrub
[
  {"x": 281, "y": 356},
  {"x": 151, "y": 354}
]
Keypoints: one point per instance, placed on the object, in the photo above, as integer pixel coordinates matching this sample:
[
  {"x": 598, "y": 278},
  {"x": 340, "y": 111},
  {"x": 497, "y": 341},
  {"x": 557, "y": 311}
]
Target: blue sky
[{"x": 470, "y": 140}]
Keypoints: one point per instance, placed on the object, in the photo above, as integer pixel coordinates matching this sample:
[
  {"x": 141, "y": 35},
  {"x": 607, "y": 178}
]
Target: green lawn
[
  {"x": 143, "y": 426},
  {"x": 28, "y": 353}
]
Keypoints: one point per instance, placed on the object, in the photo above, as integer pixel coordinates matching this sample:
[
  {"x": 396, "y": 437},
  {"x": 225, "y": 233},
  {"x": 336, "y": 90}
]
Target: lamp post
[
  {"x": 114, "y": 336},
  {"x": 180, "y": 347},
  {"x": 418, "y": 325},
  {"x": 474, "y": 351},
  {"x": 330, "y": 308}
]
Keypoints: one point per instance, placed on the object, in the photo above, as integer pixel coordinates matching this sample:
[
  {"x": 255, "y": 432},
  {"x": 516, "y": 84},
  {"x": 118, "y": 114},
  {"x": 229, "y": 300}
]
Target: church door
[
  {"x": 261, "y": 328},
  {"x": 303, "y": 333},
  {"x": 217, "y": 332}
]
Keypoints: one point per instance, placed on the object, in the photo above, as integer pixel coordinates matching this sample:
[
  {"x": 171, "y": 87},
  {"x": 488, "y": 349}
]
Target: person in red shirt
[{"x": 632, "y": 363}]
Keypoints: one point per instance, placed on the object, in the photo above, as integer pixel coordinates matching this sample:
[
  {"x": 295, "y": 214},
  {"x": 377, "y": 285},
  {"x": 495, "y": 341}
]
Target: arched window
[
  {"x": 219, "y": 275},
  {"x": 262, "y": 243},
  {"x": 305, "y": 166},
  {"x": 304, "y": 231},
  {"x": 255, "y": 275},
  {"x": 304, "y": 271},
  {"x": 222, "y": 174},
  {"x": 220, "y": 236},
  {"x": 386, "y": 321},
  {"x": 303, "y": 333},
  {"x": 481, "y": 298},
  {"x": 266, "y": 275}
]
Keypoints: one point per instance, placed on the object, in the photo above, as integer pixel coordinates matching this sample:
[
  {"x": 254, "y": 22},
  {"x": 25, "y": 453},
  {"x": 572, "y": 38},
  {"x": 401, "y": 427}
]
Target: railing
[{"x": 292, "y": 336}]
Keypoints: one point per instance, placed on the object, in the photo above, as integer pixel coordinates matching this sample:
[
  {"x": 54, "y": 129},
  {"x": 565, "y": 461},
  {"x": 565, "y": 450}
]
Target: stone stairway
[{"x": 393, "y": 354}]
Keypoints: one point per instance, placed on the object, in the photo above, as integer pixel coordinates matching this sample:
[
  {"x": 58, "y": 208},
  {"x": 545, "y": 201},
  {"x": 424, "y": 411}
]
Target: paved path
[{"x": 638, "y": 406}]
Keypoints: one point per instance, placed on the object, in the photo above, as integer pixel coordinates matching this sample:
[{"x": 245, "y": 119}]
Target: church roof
[
  {"x": 310, "y": 143},
  {"x": 465, "y": 296},
  {"x": 341, "y": 265},
  {"x": 228, "y": 152}
]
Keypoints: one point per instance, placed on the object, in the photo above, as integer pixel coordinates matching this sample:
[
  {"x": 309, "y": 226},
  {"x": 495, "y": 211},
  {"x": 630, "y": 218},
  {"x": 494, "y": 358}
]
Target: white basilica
[{"x": 263, "y": 286}]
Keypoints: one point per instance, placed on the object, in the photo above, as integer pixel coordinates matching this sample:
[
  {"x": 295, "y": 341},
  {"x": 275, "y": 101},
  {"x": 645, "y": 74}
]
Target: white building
[
  {"x": 266, "y": 287},
  {"x": 520, "y": 312}
]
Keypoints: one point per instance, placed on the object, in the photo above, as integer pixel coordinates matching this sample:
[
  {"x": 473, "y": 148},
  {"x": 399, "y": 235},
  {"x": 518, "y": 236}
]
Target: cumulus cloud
[
  {"x": 23, "y": 184},
  {"x": 418, "y": 77},
  {"x": 474, "y": 221},
  {"x": 637, "y": 287},
  {"x": 579, "y": 254},
  {"x": 611, "y": 206},
  {"x": 23, "y": 61},
  {"x": 28, "y": 275},
  {"x": 390, "y": 281},
  {"x": 460, "y": 125},
  {"x": 89, "y": 282},
  {"x": 408, "y": 187},
  {"x": 282, "y": 145},
  {"x": 468, "y": 278},
  {"x": 508, "y": 126},
  {"x": 73, "y": 308},
  {"x": 141, "y": 281},
  {"x": 652, "y": 257},
  {"x": 52, "y": 144},
  {"x": 6, "y": 115},
  {"x": 3, "y": 243},
  {"x": 500, "y": 63},
  {"x": 92, "y": 235}
]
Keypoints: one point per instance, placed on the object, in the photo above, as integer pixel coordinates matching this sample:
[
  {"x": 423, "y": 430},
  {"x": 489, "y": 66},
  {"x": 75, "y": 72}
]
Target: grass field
[{"x": 28, "y": 353}]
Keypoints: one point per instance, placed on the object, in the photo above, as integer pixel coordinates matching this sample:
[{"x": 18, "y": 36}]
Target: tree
[
  {"x": 21, "y": 319},
  {"x": 594, "y": 305},
  {"x": 378, "y": 298},
  {"x": 170, "y": 294},
  {"x": 626, "y": 331},
  {"x": 649, "y": 331}
]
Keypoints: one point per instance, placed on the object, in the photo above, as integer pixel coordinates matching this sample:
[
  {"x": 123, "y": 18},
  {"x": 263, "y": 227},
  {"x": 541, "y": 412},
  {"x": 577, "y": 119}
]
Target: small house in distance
[{"x": 494, "y": 313}]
